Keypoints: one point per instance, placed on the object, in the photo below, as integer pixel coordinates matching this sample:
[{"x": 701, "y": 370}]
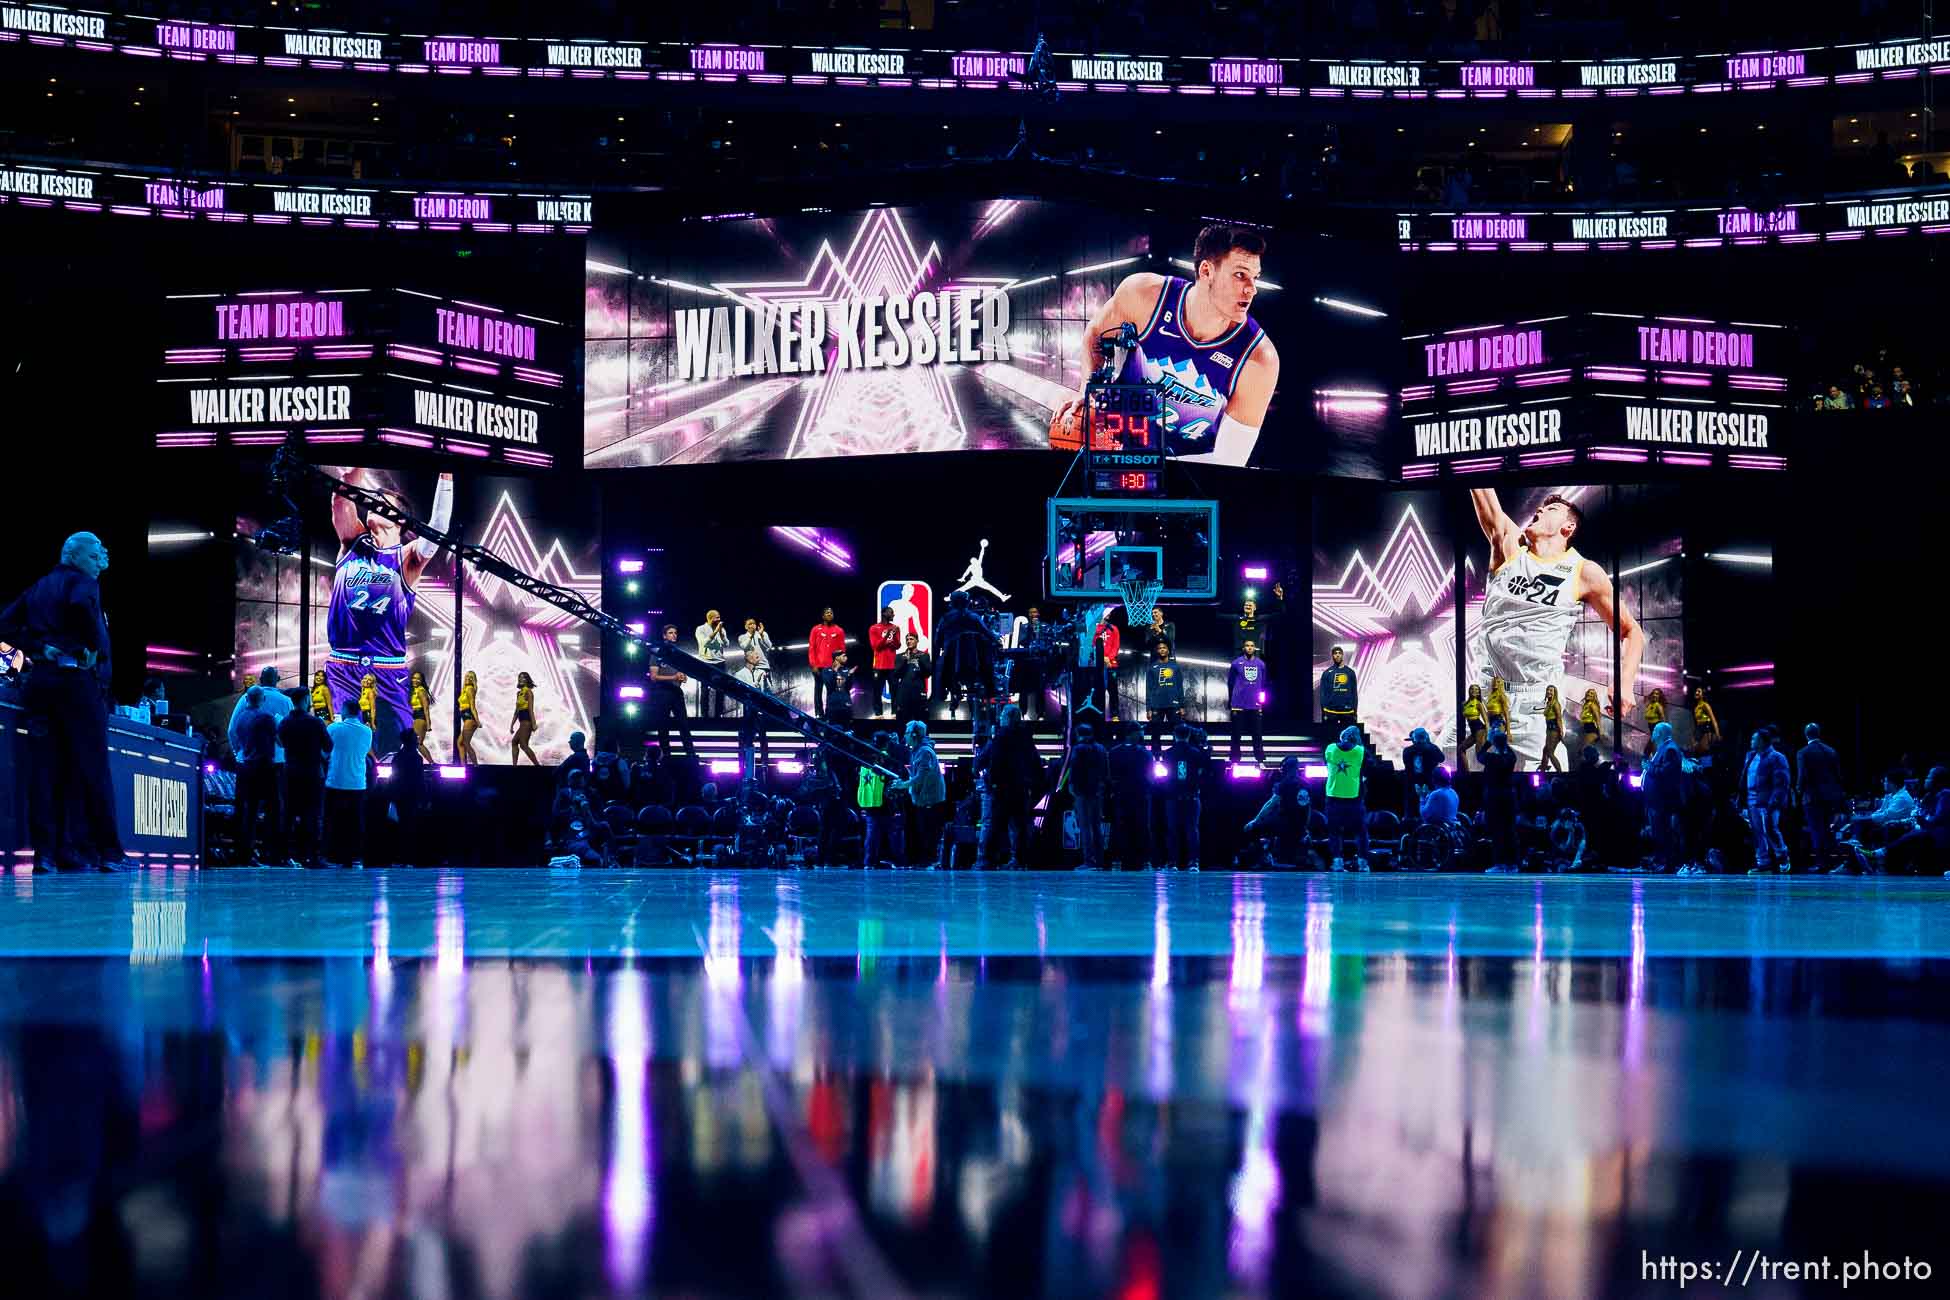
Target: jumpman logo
[{"x": 971, "y": 577}]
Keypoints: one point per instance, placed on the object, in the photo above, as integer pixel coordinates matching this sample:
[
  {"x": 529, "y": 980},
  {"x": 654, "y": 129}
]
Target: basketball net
[{"x": 1140, "y": 594}]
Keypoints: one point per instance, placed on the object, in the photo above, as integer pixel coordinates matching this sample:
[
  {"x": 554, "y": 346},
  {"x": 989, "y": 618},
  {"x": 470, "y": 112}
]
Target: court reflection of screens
[{"x": 736, "y": 339}]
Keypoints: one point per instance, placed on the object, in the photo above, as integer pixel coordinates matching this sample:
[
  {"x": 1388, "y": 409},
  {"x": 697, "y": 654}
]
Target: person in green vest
[
  {"x": 1347, "y": 813},
  {"x": 874, "y": 809}
]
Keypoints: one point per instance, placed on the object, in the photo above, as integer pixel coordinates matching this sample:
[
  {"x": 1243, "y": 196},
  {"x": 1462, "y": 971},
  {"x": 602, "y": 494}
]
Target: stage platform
[{"x": 535, "y": 1084}]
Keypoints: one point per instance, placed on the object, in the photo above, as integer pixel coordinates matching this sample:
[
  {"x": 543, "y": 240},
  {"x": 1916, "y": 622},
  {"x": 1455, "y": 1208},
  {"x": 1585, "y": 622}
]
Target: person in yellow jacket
[
  {"x": 470, "y": 720},
  {"x": 420, "y": 702},
  {"x": 321, "y": 699},
  {"x": 369, "y": 700},
  {"x": 1553, "y": 730},
  {"x": 524, "y": 729}
]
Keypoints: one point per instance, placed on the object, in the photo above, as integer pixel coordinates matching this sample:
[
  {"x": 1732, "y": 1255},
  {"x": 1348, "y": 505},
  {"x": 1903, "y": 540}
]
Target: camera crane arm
[{"x": 290, "y": 472}]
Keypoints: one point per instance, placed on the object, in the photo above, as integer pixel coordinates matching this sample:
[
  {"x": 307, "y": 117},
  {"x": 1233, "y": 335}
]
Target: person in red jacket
[
  {"x": 826, "y": 638},
  {"x": 884, "y": 641}
]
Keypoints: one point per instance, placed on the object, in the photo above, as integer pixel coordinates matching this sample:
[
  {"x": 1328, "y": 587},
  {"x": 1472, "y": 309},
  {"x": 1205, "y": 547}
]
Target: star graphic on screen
[
  {"x": 511, "y": 631},
  {"x": 891, "y": 409},
  {"x": 1396, "y": 615}
]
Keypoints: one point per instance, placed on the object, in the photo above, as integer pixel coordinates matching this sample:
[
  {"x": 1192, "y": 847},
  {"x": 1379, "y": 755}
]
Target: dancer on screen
[
  {"x": 1198, "y": 343},
  {"x": 1538, "y": 587},
  {"x": 373, "y": 590}
]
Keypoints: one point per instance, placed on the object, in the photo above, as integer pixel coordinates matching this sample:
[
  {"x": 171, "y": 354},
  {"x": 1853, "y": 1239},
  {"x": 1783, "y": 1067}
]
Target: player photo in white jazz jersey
[
  {"x": 1539, "y": 587},
  {"x": 1527, "y": 616}
]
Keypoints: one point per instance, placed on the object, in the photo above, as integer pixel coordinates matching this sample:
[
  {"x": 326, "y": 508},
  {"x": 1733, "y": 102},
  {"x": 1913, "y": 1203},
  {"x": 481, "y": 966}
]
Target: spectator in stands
[
  {"x": 1130, "y": 799},
  {"x": 303, "y": 735},
  {"x": 609, "y": 778},
  {"x": 1893, "y": 817},
  {"x": 1420, "y": 762},
  {"x": 1089, "y": 777},
  {"x": 927, "y": 795},
  {"x": 1285, "y": 816},
  {"x": 406, "y": 796},
  {"x": 1766, "y": 785},
  {"x": 1015, "y": 774},
  {"x": 253, "y": 740},
  {"x": 1837, "y": 399},
  {"x": 1185, "y": 767},
  {"x": 1499, "y": 764},
  {"x": 1926, "y": 847},
  {"x": 1877, "y": 400},
  {"x": 578, "y": 759},
  {"x": 345, "y": 786},
  {"x": 874, "y": 808},
  {"x": 1567, "y": 841},
  {"x": 1347, "y": 813},
  {"x": 1818, "y": 787},
  {"x": 1666, "y": 788}
]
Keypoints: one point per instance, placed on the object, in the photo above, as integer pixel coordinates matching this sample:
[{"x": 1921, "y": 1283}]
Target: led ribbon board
[
  {"x": 1657, "y": 229},
  {"x": 134, "y": 193},
  {"x": 1602, "y": 73}
]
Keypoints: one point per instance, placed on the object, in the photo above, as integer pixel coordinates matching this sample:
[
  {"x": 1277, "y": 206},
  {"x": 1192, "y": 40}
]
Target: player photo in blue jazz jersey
[
  {"x": 373, "y": 590},
  {"x": 1198, "y": 345}
]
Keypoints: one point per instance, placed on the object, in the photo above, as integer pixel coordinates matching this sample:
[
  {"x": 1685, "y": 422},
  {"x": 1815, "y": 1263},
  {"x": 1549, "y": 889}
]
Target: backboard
[{"x": 1093, "y": 542}]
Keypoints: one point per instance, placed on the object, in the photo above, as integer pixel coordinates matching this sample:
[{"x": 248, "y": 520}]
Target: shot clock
[{"x": 1124, "y": 446}]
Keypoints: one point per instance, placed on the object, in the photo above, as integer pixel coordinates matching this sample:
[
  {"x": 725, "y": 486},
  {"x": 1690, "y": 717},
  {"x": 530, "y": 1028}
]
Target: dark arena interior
[{"x": 918, "y": 647}]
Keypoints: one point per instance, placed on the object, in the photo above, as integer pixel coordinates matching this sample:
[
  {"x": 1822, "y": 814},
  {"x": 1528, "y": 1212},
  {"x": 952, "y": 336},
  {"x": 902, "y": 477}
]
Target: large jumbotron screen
[{"x": 934, "y": 327}]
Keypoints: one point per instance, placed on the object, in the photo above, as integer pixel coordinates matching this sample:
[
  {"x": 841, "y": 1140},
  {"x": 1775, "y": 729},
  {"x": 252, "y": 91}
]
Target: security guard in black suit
[{"x": 58, "y": 623}]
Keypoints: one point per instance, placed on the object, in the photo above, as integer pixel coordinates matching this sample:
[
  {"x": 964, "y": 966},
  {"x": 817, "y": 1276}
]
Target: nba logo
[{"x": 913, "y": 604}]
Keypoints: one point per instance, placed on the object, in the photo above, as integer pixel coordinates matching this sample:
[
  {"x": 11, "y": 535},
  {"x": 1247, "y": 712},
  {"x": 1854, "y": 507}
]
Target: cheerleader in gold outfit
[
  {"x": 321, "y": 698},
  {"x": 1553, "y": 731},
  {"x": 1473, "y": 724},
  {"x": 1706, "y": 725},
  {"x": 524, "y": 720},
  {"x": 421, "y": 702},
  {"x": 1655, "y": 713},
  {"x": 369, "y": 701},
  {"x": 470, "y": 722},
  {"x": 1589, "y": 713}
]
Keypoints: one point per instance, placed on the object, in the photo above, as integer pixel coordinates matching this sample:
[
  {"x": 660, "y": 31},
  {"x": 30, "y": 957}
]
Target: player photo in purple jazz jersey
[
  {"x": 1196, "y": 379},
  {"x": 371, "y": 602}
]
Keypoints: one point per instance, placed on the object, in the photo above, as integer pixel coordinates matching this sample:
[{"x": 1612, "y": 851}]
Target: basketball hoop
[{"x": 1140, "y": 594}]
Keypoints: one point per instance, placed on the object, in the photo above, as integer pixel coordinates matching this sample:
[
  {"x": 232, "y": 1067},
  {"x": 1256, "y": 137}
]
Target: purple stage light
[
  {"x": 789, "y": 767},
  {"x": 385, "y": 771},
  {"x": 1636, "y": 780},
  {"x": 1245, "y": 772},
  {"x": 629, "y": 693},
  {"x": 1158, "y": 771},
  {"x": 209, "y": 769},
  {"x": 1316, "y": 771},
  {"x": 725, "y": 767},
  {"x": 448, "y": 772},
  {"x": 629, "y": 566},
  {"x": 640, "y": 629},
  {"x": 1254, "y": 573}
]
